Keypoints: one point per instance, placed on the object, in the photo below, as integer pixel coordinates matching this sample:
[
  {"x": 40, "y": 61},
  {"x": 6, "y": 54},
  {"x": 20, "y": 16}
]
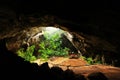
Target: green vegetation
[
  {"x": 27, "y": 54},
  {"x": 90, "y": 60},
  {"x": 50, "y": 46}
]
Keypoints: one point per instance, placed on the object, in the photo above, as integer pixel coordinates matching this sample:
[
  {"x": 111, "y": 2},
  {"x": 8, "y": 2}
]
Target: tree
[{"x": 51, "y": 46}]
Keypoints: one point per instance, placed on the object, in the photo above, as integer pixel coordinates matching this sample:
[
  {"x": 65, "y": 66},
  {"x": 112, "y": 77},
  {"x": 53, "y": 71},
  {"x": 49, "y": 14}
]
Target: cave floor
[{"x": 79, "y": 66}]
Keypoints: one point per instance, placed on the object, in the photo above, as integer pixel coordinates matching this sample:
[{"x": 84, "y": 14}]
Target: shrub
[
  {"x": 90, "y": 60},
  {"x": 51, "y": 46},
  {"x": 27, "y": 54}
]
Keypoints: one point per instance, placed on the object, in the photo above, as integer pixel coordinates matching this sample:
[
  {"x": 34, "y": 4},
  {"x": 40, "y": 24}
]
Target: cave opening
[
  {"x": 38, "y": 44},
  {"x": 83, "y": 39}
]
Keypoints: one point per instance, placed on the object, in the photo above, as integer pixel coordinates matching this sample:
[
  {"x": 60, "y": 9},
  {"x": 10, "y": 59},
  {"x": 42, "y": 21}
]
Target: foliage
[
  {"x": 51, "y": 46},
  {"x": 90, "y": 60},
  {"x": 27, "y": 54}
]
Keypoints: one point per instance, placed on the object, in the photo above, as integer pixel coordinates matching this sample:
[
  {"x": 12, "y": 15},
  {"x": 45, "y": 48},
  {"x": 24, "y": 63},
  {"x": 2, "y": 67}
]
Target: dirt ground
[{"x": 79, "y": 66}]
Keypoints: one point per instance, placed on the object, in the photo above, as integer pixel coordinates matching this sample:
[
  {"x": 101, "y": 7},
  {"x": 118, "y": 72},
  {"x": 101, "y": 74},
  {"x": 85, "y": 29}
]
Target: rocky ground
[{"x": 79, "y": 66}]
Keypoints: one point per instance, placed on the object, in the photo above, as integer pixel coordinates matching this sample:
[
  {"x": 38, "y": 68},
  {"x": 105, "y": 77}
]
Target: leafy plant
[
  {"x": 27, "y": 54},
  {"x": 51, "y": 46},
  {"x": 90, "y": 60}
]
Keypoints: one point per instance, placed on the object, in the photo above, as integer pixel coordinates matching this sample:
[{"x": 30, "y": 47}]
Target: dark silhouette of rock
[
  {"x": 58, "y": 72},
  {"x": 70, "y": 75},
  {"x": 97, "y": 76}
]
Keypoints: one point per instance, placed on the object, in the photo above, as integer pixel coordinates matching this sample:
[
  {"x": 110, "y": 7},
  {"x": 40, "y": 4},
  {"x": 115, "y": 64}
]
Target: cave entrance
[{"x": 43, "y": 43}]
